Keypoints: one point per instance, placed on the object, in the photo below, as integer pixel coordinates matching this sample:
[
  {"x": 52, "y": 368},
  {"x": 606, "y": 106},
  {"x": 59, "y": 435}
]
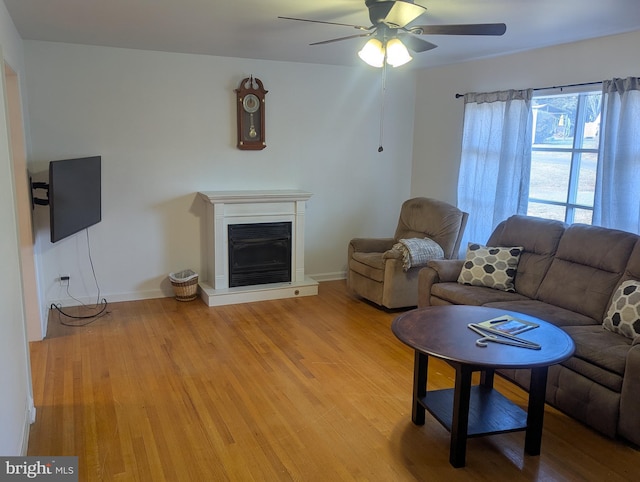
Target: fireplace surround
[{"x": 279, "y": 212}]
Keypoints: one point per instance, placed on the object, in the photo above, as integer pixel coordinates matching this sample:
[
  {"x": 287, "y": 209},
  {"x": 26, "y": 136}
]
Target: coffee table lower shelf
[{"x": 490, "y": 412}]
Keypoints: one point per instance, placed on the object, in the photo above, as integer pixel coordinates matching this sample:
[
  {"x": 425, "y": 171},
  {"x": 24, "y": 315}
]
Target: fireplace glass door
[{"x": 259, "y": 253}]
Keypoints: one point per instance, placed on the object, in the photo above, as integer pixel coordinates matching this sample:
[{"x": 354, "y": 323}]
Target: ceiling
[{"x": 251, "y": 29}]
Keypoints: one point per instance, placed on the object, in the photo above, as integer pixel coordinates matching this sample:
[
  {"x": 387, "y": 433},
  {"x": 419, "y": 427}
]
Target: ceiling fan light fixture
[
  {"x": 372, "y": 53},
  {"x": 397, "y": 53}
]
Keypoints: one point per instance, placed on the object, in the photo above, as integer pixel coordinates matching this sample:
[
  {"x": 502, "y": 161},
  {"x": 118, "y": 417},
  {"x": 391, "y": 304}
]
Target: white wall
[
  {"x": 439, "y": 115},
  {"x": 16, "y": 401},
  {"x": 164, "y": 125}
]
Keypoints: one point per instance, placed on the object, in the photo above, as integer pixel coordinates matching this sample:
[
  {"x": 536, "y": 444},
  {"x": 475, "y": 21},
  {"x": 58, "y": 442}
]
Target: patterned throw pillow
[
  {"x": 623, "y": 316},
  {"x": 493, "y": 267}
]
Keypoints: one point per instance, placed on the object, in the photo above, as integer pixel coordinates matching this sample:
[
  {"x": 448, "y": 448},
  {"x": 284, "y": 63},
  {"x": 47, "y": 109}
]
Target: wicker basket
[{"x": 185, "y": 285}]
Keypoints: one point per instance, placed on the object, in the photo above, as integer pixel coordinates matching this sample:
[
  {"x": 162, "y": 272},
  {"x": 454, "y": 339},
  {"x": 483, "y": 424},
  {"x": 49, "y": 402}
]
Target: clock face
[{"x": 251, "y": 103}]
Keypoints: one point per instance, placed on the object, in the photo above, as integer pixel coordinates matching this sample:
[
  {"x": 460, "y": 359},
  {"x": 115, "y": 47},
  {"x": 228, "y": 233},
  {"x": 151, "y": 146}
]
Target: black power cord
[{"x": 88, "y": 319}]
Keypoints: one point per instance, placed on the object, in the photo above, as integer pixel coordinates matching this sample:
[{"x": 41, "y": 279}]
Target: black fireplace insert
[{"x": 259, "y": 253}]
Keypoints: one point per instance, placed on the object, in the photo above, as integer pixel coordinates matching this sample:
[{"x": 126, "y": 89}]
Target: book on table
[{"x": 506, "y": 325}]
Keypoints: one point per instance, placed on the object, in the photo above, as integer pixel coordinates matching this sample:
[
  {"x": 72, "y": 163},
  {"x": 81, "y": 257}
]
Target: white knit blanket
[{"x": 417, "y": 251}]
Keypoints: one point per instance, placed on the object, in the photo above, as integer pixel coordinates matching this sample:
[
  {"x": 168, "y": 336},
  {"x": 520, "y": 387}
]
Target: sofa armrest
[
  {"x": 629, "y": 421},
  {"x": 447, "y": 269},
  {"x": 436, "y": 271},
  {"x": 371, "y": 245}
]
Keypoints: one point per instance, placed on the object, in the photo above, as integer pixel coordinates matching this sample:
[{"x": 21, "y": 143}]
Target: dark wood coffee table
[{"x": 472, "y": 411}]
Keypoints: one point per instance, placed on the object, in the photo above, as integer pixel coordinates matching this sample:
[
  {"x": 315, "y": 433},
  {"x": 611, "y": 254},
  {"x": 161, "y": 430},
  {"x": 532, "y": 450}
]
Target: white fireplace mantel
[{"x": 225, "y": 208}]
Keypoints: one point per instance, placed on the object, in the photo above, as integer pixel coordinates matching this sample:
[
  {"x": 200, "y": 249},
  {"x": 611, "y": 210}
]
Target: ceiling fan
[{"x": 391, "y": 33}]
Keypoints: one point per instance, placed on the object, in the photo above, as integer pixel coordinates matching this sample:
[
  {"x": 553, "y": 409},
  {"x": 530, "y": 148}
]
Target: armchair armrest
[
  {"x": 392, "y": 254},
  {"x": 437, "y": 271},
  {"x": 371, "y": 245}
]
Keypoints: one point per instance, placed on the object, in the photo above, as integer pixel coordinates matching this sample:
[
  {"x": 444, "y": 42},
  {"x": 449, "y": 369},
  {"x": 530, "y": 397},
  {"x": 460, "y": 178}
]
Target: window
[
  {"x": 564, "y": 155},
  {"x": 579, "y": 163}
]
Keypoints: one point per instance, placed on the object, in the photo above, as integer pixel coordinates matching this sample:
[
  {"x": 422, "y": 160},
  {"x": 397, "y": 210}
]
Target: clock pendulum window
[{"x": 250, "y": 104}]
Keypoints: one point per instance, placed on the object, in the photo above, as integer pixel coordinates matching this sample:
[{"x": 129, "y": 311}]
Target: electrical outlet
[{"x": 64, "y": 279}]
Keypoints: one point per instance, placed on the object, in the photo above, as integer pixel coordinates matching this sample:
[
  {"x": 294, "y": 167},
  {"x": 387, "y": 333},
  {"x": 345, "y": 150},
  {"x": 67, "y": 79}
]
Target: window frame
[{"x": 570, "y": 204}]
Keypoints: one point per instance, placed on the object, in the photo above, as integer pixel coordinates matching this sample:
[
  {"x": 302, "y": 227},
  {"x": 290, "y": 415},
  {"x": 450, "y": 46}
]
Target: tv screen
[{"x": 74, "y": 195}]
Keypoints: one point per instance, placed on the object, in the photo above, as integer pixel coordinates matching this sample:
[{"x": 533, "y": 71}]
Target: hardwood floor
[{"x": 307, "y": 389}]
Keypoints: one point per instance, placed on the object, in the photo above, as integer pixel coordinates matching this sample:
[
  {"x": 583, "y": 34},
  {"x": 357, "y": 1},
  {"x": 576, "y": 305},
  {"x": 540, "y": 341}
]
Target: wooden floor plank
[{"x": 314, "y": 388}]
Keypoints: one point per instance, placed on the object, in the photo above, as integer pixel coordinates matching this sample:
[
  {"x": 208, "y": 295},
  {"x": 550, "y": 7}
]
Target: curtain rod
[{"x": 554, "y": 87}]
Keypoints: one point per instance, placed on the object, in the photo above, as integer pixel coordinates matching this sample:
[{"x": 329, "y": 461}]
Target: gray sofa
[{"x": 566, "y": 275}]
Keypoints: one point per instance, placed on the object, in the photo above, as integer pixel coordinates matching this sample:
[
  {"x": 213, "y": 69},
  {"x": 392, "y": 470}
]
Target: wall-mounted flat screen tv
[{"x": 74, "y": 195}]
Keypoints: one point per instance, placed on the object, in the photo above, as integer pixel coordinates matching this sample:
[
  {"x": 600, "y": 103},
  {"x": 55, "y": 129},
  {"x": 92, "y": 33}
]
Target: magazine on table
[{"x": 506, "y": 325}]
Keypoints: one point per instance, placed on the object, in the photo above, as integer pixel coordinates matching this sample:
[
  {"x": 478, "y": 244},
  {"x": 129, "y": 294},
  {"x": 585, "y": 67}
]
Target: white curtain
[
  {"x": 493, "y": 183},
  {"x": 617, "y": 197}
]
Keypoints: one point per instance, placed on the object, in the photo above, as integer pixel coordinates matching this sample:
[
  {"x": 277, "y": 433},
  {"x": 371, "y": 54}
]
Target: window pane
[
  {"x": 554, "y": 120},
  {"x": 564, "y": 155},
  {"x": 547, "y": 211},
  {"x": 550, "y": 175},
  {"x": 591, "y": 131},
  {"x": 583, "y": 216},
  {"x": 587, "y": 179}
]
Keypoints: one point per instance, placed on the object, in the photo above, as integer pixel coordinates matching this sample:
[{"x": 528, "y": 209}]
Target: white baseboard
[
  {"x": 158, "y": 293},
  {"x": 29, "y": 418},
  {"x": 329, "y": 276},
  {"x": 110, "y": 297}
]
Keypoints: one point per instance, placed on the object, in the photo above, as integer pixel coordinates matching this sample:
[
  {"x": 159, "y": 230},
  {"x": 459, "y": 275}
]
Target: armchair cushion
[
  {"x": 423, "y": 217},
  {"x": 370, "y": 265}
]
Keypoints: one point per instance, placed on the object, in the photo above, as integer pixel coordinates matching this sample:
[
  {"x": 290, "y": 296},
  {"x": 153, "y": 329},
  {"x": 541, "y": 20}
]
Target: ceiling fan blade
[
  {"x": 359, "y": 27},
  {"x": 466, "y": 29},
  {"x": 403, "y": 13},
  {"x": 416, "y": 44},
  {"x": 394, "y": 14},
  {"x": 342, "y": 38}
]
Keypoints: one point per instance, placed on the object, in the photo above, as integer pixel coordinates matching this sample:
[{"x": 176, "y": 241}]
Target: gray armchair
[{"x": 375, "y": 270}]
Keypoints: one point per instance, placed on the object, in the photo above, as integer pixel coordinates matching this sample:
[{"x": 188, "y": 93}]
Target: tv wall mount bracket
[{"x": 35, "y": 200}]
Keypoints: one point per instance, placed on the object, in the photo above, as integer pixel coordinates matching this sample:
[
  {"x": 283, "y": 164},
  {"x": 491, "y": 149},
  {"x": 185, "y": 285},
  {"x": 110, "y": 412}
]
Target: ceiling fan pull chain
[{"x": 384, "y": 89}]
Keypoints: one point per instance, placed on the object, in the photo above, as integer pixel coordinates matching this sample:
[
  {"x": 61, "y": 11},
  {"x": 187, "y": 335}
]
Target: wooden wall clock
[{"x": 250, "y": 104}]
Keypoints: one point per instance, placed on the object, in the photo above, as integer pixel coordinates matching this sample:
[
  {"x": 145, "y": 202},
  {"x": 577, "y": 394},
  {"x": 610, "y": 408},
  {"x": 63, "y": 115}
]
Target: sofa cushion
[
  {"x": 553, "y": 314},
  {"x": 633, "y": 266},
  {"x": 493, "y": 267},
  {"x": 577, "y": 395},
  {"x": 623, "y": 316},
  {"x": 459, "y": 294},
  {"x": 586, "y": 269},
  {"x": 582, "y": 398},
  {"x": 600, "y": 355},
  {"x": 539, "y": 238}
]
